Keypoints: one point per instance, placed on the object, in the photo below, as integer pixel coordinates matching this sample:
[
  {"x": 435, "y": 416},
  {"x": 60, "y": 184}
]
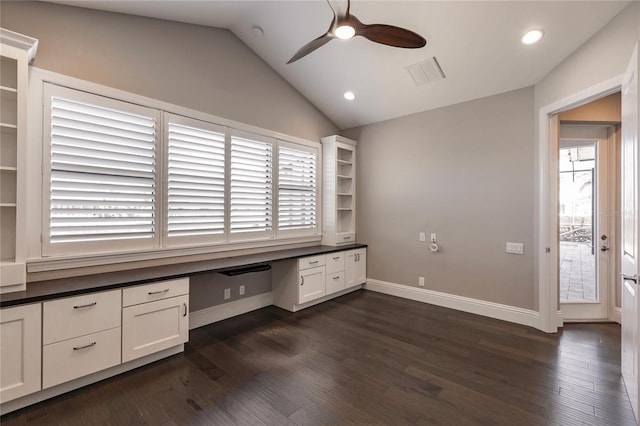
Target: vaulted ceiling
[{"x": 477, "y": 44}]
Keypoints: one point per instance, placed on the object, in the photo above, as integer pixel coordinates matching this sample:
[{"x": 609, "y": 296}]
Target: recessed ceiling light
[
  {"x": 349, "y": 95},
  {"x": 532, "y": 37},
  {"x": 345, "y": 32},
  {"x": 257, "y": 31}
]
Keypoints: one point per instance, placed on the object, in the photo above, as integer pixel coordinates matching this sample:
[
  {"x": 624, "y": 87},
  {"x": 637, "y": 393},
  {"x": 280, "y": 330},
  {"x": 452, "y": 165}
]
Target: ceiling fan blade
[
  {"x": 390, "y": 35},
  {"x": 311, "y": 46}
]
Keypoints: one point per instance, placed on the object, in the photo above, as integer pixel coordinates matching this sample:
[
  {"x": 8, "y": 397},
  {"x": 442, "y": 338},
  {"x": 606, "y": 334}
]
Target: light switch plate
[{"x": 515, "y": 248}]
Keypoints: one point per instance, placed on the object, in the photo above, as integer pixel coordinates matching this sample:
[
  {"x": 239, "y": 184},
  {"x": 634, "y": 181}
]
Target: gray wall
[
  {"x": 206, "y": 290},
  {"x": 603, "y": 56},
  {"x": 206, "y": 69},
  {"x": 464, "y": 172}
]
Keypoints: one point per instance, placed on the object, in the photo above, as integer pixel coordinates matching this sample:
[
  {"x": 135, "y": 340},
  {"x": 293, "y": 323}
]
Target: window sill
[{"x": 131, "y": 260}]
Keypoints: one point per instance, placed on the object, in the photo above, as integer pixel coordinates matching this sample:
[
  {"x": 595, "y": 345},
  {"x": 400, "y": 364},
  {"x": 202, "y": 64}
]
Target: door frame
[
  {"x": 546, "y": 222},
  {"x": 605, "y": 182}
]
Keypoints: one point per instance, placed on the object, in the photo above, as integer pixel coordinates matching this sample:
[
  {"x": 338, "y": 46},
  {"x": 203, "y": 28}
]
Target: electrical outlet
[
  {"x": 422, "y": 236},
  {"x": 241, "y": 289},
  {"x": 434, "y": 238},
  {"x": 227, "y": 293},
  {"x": 515, "y": 248},
  {"x": 421, "y": 281}
]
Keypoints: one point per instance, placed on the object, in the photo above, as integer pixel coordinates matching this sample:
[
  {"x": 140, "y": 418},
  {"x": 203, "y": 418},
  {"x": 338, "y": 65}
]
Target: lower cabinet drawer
[
  {"x": 335, "y": 282},
  {"x": 154, "y": 326},
  {"x": 70, "y": 359}
]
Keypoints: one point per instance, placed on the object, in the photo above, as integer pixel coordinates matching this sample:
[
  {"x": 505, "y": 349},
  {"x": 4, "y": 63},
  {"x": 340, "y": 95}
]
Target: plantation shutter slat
[
  {"x": 251, "y": 185},
  {"x": 297, "y": 188},
  {"x": 103, "y": 165},
  {"x": 195, "y": 181}
]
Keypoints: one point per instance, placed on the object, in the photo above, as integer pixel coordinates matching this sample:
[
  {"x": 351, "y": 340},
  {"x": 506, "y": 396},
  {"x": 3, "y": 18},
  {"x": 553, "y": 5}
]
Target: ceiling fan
[{"x": 348, "y": 26}]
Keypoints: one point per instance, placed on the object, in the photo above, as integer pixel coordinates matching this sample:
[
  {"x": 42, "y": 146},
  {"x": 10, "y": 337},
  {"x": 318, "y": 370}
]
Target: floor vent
[{"x": 426, "y": 71}]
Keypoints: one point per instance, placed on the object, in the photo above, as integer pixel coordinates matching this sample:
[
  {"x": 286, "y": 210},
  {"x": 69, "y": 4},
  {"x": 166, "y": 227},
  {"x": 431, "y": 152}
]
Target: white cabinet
[
  {"x": 303, "y": 282},
  {"x": 16, "y": 53},
  {"x": 81, "y": 335},
  {"x": 339, "y": 190},
  {"x": 356, "y": 267},
  {"x": 20, "y": 351},
  {"x": 151, "y": 326},
  {"x": 312, "y": 284}
]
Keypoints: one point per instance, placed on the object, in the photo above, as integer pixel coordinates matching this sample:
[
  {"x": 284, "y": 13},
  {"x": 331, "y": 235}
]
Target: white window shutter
[
  {"x": 297, "y": 188},
  {"x": 196, "y": 181},
  {"x": 251, "y": 207},
  {"x": 102, "y": 176}
]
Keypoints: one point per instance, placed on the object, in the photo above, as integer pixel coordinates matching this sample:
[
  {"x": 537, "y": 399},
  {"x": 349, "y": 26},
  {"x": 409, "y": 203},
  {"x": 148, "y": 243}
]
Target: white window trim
[
  {"x": 37, "y": 196},
  {"x": 307, "y": 231},
  {"x": 259, "y": 235},
  {"x": 61, "y": 249},
  {"x": 168, "y": 241}
]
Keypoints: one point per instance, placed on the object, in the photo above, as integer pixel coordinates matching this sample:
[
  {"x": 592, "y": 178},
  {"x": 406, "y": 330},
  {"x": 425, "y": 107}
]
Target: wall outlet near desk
[
  {"x": 241, "y": 290},
  {"x": 421, "y": 281},
  {"x": 227, "y": 293}
]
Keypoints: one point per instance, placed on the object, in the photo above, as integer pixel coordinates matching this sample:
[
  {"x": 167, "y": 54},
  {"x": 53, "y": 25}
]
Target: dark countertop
[{"x": 63, "y": 287}]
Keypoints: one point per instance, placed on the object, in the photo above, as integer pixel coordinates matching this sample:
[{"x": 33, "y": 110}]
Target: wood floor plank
[{"x": 364, "y": 358}]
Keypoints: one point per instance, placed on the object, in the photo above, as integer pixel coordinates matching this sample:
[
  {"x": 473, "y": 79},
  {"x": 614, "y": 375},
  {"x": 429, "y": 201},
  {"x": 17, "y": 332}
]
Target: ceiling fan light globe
[{"x": 345, "y": 32}]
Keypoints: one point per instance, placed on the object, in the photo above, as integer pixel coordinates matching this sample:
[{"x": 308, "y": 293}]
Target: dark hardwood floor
[{"x": 365, "y": 358}]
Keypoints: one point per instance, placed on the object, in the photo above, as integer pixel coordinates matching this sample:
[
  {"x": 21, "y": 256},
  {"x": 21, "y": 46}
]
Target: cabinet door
[
  {"x": 20, "y": 351},
  {"x": 361, "y": 267},
  {"x": 154, "y": 326},
  {"x": 311, "y": 284},
  {"x": 356, "y": 268}
]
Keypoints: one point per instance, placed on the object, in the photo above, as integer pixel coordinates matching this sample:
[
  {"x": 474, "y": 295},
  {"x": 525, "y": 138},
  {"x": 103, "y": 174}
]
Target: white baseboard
[
  {"x": 479, "y": 307},
  {"x": 560, "y": 317},
  {"x": 228, "y": 310}
]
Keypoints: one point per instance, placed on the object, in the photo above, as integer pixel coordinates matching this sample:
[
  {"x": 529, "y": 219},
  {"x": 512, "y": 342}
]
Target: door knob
[{"x": 604, "y": 248}]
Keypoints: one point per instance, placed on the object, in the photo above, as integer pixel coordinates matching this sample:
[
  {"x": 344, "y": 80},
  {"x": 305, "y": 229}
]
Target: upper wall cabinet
[
  {"x": 339, "y": 190},
  {"x": 16, "y": 51}
]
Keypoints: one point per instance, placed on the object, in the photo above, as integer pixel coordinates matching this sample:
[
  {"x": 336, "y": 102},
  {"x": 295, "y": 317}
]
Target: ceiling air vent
[{"x": 426, "y": 71}]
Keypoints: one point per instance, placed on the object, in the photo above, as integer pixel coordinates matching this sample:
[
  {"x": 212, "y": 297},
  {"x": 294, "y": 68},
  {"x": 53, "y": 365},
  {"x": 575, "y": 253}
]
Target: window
[
  {"x": 251, "y": 186},
  {"x": 102, "y": 176},
  {"x": 195, "y": 179},
  {"x": 297, "y": 188},
  {"x": 123, "y": 178}
]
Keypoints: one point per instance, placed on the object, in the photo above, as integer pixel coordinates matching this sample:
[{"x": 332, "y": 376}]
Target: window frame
[
  {"x": 43, "y": 261},
  {"x": 318, "y": 213},
  {"x": 253, "y": 235},
  {"x": 192, "y": 240},
  {"x": 100, "y": 246}
]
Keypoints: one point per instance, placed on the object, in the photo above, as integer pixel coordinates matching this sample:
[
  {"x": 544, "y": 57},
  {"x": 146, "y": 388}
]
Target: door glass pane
[{"x": 578, "y": 245}]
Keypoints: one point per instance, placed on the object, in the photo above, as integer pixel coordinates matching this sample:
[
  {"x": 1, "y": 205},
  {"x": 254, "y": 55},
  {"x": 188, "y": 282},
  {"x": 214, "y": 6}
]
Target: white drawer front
[
  {"x": 154, "y": 291},
  {"x": 311, "y": 262},
  {"x": 335, "y": 262},
  {"x": 80, "y": 315},
  {"x": 346, "y": 238},
  {"x": 68, "y": 360},
  {"x": 335, "y": 282},
  {"x": 154, "y": 326}
]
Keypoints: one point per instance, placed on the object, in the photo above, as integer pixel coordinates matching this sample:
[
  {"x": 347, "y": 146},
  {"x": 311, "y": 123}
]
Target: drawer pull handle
[
  {"x": 151, "y": 293},
  {"x": 185, "y": 310},
  {"x": 336, "y": 258},
  {"x": 313, "y": 263},
  {"x": 336, "y": 277},
  {"x": 88, "y": 305},
  {"x": 77, "y": 348},
  {"x": 346, "y": 238}
]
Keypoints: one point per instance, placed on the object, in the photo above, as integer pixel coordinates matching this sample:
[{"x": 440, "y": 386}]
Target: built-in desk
[
  {"x": 64, "y": 287},
  {"x": 62, "y": 334}
]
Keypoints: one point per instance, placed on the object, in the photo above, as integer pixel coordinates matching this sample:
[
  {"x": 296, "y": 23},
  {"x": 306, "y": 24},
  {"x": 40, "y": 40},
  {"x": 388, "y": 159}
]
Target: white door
[
  {"x": 584, "y": 228},
  {"x": 630, "y": 230}
]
